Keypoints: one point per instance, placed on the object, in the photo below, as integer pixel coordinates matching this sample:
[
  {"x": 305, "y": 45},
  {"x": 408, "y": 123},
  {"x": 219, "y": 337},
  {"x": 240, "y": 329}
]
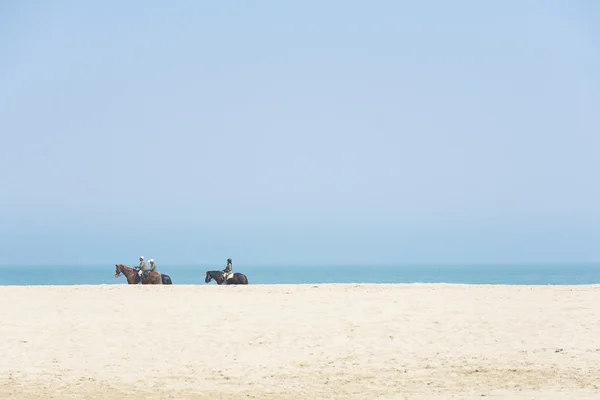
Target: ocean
[{"x": 563, "y": 274}]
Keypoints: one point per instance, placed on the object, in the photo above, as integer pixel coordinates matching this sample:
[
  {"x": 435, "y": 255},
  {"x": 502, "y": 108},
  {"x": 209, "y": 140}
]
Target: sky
[{"x": 280, "y": 133}]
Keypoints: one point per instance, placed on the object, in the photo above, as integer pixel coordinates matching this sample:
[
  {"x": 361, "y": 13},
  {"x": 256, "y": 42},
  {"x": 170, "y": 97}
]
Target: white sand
[{"x": 300, "y": 342}]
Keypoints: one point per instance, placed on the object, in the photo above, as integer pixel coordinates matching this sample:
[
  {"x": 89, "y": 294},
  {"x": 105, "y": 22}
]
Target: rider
[
  {"x": 152, "y": 265},
  {"x": 228, "y": 269},
  {"x": 142, "y": 267}
]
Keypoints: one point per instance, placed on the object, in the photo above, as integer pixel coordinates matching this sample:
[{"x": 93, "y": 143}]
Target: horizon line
[{"x": 328, "y": 264}]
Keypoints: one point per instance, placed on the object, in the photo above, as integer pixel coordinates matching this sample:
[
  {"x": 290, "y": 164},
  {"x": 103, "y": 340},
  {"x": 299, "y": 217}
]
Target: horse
[
  {"x": 150, "y": 278},
  {"x": 219, "y": 277}
]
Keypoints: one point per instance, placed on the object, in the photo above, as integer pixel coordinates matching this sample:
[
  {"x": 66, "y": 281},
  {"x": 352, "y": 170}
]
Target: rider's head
[
  {"x": 141, "y": 258},
  {"x": 151, "y": 261},
  {"x": 229, "y": 260}
]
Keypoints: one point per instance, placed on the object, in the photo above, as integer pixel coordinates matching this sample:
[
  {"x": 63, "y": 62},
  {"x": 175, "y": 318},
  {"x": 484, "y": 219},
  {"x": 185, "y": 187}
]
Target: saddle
[
  {"x": 227, "y": 275},
  {"x": 141, "y": 274}
]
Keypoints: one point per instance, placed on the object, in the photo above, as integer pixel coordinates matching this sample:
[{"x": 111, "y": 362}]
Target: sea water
[{"x": 558, "y": 274}]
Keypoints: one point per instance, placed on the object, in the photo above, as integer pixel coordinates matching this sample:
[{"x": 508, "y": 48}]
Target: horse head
[
  {"x": 218, "y": 276},
  {"x": 118, "y": 270}
]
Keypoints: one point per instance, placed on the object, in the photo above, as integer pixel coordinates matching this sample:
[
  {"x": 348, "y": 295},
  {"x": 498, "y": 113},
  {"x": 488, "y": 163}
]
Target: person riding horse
[
  {"x": 143, "y": 267},
  {"x": 228, "y": 270}
]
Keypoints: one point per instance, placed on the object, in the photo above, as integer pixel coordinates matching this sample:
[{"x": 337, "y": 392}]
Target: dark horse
[
  {"x": 150, "y": 278},
  {"x": 219, "y": 277}
]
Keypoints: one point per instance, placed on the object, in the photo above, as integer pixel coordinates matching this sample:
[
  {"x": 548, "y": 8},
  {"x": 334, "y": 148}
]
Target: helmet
[
  {"x": 141, "y": 258},
  {"x": 229, "y": 260},
  {"x": 151, "y": 261}
]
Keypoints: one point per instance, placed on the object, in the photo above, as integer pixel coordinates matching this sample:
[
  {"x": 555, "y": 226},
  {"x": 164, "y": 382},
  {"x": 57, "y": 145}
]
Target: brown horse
[
  {"x": 219, "y": 277},
  {"x": 133, "y": 278}
]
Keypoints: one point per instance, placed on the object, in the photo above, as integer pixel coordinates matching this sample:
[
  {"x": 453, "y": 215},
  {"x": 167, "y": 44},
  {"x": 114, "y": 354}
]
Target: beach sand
[{"x": 412, "y": 341}]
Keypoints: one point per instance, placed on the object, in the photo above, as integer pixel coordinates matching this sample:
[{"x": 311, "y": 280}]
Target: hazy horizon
[
  {"x": 316, "y": 264},
  {"x": 327, "y": 133}
]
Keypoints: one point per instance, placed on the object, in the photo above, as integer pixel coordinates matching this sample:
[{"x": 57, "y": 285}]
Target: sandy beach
[{"x": 300, "y": 342}]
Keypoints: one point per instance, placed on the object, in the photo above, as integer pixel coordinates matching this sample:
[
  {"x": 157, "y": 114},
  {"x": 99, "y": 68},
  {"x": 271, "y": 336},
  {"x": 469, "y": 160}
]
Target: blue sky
[{"x": 299, "y": 132}]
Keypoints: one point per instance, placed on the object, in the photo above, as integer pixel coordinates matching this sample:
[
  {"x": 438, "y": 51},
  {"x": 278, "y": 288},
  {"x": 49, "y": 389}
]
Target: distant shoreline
[
  {"x": 568, "y": 274},
  {"x": 345, "y": 284}
]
